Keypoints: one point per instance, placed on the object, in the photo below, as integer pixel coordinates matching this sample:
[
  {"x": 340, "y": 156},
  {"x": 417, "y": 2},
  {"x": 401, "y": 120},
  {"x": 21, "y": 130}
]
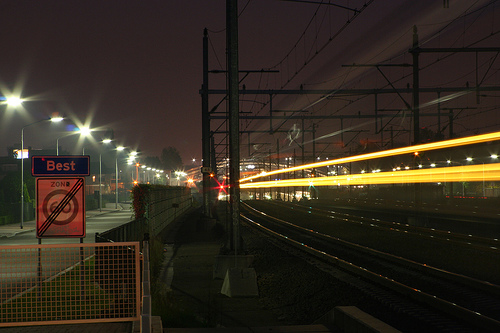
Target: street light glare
[
  {"x": 120, "y": 148},
  {"x": 85, "y": 131},
  {"x": 56, "y": 119},
  {"x": 14, "y": 101},
  {"x": 106, "y": 141}
]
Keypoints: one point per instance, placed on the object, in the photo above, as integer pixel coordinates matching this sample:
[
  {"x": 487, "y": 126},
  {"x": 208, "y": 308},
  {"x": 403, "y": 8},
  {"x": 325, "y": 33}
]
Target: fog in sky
[{"x": 136, "y": 67}]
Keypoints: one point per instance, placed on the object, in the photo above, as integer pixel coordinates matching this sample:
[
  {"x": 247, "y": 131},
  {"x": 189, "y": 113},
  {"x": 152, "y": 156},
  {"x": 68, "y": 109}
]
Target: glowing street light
[
  {"x": 105, "y": 141},
  {"x": 53, "y": 119},
  {"x": 84, "y": 132},
  {"x": 119, "y": 149},
  {"x": 12, "y": 101}
]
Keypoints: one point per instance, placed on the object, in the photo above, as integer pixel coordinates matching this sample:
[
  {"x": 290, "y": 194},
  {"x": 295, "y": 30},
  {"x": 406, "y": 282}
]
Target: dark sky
[{"x": 136, "y": 66}]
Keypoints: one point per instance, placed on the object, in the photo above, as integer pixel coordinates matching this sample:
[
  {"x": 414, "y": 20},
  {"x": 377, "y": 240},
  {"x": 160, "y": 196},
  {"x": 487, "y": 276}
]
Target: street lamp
[
  {"x": 132, "y": 155},
  {"x": 84, "y": 131},
  {"x": 12, "y": 101},
  {"x": 144, "y": 179},
  {"x": 53, "y": 119},
  {"x": 119, "y": 149},
  {"x": 106, "y": 141}
]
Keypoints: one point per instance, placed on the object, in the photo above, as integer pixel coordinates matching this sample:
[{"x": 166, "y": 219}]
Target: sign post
[
  {"x": 60, "y": 201},
  {"x": 60, "y": 207},
  {"x": 60, "y": 195}
]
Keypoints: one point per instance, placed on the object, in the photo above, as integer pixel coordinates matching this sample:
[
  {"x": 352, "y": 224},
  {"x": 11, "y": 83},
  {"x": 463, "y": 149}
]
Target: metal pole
[
  {"x": 22, "y": 168},
  {"x": 22, "y": 177},
  {"x": 100, "y": 181},
  {"x": 312, "y": 192},
  {"x": 416, "y": 115},
  {"x": 234, "y": 128},
  {"x": 116, "y": 182},
  {"x": 416, "y": 102},
  {"x": 303, "y": 157},
  {"x": 278, "y": 194},
  {"x": 205, "y": 127}
]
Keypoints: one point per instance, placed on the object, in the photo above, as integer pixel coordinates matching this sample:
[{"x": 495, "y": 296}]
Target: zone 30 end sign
[
  {"x": 60, "y": 201},
  {"x": 60, "y": 207}
]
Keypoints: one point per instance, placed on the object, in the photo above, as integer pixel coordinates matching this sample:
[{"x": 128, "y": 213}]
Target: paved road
[{"x": 96, "y": 221}]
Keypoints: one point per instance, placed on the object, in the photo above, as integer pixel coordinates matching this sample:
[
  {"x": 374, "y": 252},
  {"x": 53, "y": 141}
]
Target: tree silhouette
[{"x": 171, "y": 159}]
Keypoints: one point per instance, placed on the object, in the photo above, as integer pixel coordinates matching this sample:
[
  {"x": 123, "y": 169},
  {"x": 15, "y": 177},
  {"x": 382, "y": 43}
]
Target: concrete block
[
  {"x": 156, "y": 324},
  {"x": 240, "y": 282},
  {"x": 351, "y": 319},
  {"x": 225, "y": 262}
]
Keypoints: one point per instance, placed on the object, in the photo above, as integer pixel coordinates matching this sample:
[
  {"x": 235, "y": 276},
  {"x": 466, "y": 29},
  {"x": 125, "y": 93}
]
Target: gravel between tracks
[
  {"x": 297, "y": 292},
  {"x": 300, "y": 293}
]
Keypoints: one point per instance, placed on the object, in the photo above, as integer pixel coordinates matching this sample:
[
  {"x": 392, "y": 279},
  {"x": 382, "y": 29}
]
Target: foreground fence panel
[{"x": 69, "y": 283}]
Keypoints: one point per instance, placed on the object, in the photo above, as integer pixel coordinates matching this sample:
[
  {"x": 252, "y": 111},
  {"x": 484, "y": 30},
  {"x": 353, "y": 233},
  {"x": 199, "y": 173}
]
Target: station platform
[{"x": 189, "y": 273}]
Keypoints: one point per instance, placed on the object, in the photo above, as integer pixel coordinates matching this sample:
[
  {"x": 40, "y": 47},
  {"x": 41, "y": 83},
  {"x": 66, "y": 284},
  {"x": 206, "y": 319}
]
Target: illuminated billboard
[{"x": 18, "y": 154}]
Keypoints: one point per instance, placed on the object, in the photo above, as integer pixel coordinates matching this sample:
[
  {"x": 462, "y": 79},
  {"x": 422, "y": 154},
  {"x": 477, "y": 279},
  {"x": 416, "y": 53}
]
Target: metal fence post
[{"x": 146, "y": 289}]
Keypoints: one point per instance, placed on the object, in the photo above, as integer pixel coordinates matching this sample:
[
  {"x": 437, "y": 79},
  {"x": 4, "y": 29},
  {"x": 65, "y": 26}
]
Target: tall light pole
[
  {"x": 119, "y": 149},
  {"x": 132, "y": 156},
  {"x": 100, "y": 174},
  {"x": 54, "y": 119},
  {"x": 144, "y": 179},
  {"x": 132, "y": 161}
]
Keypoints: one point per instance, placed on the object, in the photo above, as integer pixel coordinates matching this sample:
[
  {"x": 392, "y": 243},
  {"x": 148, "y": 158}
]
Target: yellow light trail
[
  {"x": 469, "y": 173},
  {"x": 391, "y": 152}
]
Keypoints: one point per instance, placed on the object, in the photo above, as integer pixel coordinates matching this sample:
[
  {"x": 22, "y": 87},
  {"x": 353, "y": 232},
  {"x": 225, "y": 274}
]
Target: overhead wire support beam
[
  {"x": 349, "y": 116},
  {"x": 379, "y": 65},
  {"x": 454, "y": 49},
  {"x": 257, "y": 131},
  {"x": 325, "y": 3},
  {"x": 222, "y": 71},
  {"x": 349, "y": 91}
]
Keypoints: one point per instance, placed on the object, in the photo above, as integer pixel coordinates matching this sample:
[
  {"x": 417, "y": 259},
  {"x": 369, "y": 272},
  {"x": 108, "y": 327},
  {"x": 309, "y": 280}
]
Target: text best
[{"x": 52, "y": 165}]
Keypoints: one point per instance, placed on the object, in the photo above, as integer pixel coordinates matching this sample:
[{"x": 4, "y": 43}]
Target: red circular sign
[{"x": 69, "y": 211}]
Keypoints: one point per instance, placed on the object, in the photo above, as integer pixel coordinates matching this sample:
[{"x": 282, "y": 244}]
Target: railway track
[
  {"x": 469, "y": 240},
  {"x": 440, "y": 299}
]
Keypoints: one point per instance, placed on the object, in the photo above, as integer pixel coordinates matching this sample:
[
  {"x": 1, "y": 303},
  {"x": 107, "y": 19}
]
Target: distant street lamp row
[{"x": 15, "y": 102}]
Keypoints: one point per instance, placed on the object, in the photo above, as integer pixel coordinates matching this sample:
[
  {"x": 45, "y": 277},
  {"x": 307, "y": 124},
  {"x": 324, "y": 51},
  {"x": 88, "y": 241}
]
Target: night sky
[{"x": 136, "y": 66}]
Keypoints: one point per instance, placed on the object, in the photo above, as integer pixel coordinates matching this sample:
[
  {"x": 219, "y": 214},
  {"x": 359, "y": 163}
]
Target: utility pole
[
  {"x": 416, "y": 91},
  {"x": 205, "y": 129},
  {"x": 234, "y": 119},
  {"x": 416, "y": 122}
]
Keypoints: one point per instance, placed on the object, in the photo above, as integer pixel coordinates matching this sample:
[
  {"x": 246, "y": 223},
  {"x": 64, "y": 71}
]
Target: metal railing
[
  {"x": 69, "y": 283},
  {"x": 128, "y": 232},
  {"x": 163, "y": 207}
]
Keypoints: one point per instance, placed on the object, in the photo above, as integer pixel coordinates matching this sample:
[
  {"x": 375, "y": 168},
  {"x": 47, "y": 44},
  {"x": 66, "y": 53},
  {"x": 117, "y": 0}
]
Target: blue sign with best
[{"x": 48, "y": 166}]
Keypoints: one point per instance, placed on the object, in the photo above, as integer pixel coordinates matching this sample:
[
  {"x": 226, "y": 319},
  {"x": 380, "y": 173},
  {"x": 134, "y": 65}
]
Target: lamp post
[
  {"x": 144, "y": 179},
  {"x": 119, "y": 149},
  {"x": 54, "y": 119},
  {"x": 100, "y": 174}
]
